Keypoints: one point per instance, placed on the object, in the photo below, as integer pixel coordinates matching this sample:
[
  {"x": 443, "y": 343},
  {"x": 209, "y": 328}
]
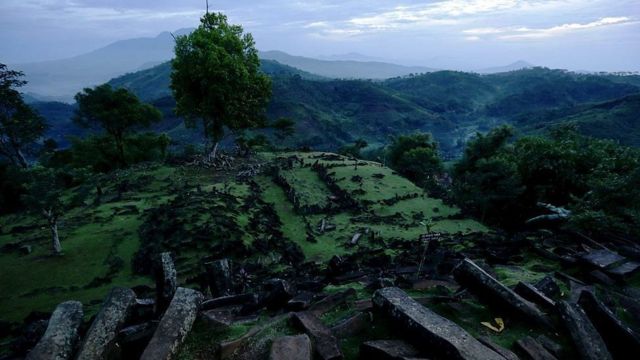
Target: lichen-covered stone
[
  {"x": 174, "y": 326},
  {"x": 100, "y": 339},
  {"x": 61, "y": 336},
  {"x": 291, "y": 348},
  {"x": 429, "y": 331}
]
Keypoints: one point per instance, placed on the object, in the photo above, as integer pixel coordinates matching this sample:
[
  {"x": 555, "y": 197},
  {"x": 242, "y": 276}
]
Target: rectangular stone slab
[
  {"x": 534, "y": 349},
  {"x": 61, "y": 336},
  {"x": 291, "y": 348},
  {"x": 324, "y": 343},
  {"x": 429, "y": 331},
  {"x": 620, "y": 338},
  {"x": 174, "y": 326},
  {"x": 485, "y": 286},
  {"x": 601, "y": 258},
  {"x": 588, "y": 341},
  {"x": 100, "y": 339}
]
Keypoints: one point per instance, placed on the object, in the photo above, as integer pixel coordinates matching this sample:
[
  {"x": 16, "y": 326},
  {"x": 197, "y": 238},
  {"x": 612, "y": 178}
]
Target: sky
[{"x": 596, "y": 35}]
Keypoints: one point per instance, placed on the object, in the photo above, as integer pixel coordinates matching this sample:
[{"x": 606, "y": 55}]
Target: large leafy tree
[
  {"x": 216, "y": 79},
  {"x": 20, "y": 125},
  {"x": 117, "y": 111},
  {"x": 416, "y": 157}
]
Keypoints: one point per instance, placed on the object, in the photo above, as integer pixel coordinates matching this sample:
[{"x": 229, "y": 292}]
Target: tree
[
  {"x": 44, "y": 195},
  {"x": 416, "y": 157},
  {"x": 216, "y": 79},
  {"x": 20, "y": 125},
  {"x": 284, "y": 128},
  {"x": 117, "y": 111},
  {"x": 354, "y": 150}
]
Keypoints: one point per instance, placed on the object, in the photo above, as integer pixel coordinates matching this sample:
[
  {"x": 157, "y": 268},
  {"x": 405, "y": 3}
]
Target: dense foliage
[
  {"x": 503, "y": 182},
  {"x": 416, "y": 157},
  {"x": 216, "y": 78},
  {"x": 20, "y": 125},
  {"x": 116, "y": 111}
]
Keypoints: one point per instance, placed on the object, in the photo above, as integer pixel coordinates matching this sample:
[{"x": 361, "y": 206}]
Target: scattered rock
[
  {"x": 220, "y": 277},
  {"x": 553, "y": 347},
  {"x": 25, "y": 249},
  {"x": 471, "y": 276},
  {"x": 505, "y": 353},
  {"x": 601, "y": 278},
  {"x": 324, "y": 343},
  {"x": 534, "y": 295},
  {"x": 588, "y": 342},
  {"x": 619, "y": 338},
  {"x": 166, "y": 282},
  {"x": 301, "y": 301},
  {"x": 387, "y": 350},
  {"x": 548, "y": 286},
  {"x": 533, "y": 349},
  {"x": 625, "y": 270},
  {"x": 174, "y": 325},
  {"x": 61, "y": 336},
  {"x": 330, "y": 302},
  {"x": 231, "y": 300},
  {"x": 291, "y": 348},
  {"x": 352, "y": 325},
  {"x": 218, "y": 319},
  {"x": 277, "y": 293},
  {"x": 133, "y": 339},
  {"x": 100, "y": 339},
  {"x": 601, "y": 258},
  {"x": 431, "y": 332}
]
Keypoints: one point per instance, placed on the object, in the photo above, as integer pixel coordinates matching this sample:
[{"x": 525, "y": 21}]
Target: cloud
[
  {"x": 523, "y": 32},
  {"x": 528, "y": 33}
]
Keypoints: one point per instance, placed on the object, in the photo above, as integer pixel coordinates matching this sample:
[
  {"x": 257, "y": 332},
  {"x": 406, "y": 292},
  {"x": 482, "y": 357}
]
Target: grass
[{"x": 94, "y": 235}]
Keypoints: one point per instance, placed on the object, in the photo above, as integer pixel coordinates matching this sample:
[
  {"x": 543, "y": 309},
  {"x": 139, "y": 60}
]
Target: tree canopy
[
  {"x": 20, "y": 125},
  {"x": 416, "y": 157},
  {"x": 216, "y": 78},
  {"x": 116, "y": 111}
]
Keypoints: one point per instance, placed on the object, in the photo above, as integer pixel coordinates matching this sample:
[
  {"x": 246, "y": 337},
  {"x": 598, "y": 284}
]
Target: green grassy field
[{"x": 99, "y": 241}]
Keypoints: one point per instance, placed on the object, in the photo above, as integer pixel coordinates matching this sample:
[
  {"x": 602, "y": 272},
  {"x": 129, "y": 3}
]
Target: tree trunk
[
  {"x": 120, "y": 148},
  {"x": 214, "y": 153},
  {"x": 22, "y": 161},
  {"x": 52, "y": 219}
]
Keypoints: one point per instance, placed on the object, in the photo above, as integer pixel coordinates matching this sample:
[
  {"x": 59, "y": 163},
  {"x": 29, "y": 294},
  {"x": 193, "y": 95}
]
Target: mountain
[
  {"x": 616, "y": 119},
  {"x": 344, "y": 69},
  {"x": 62, "y": 79},
  {"x": 452, "y": 105},
  {"x": 518, "y": 65}
]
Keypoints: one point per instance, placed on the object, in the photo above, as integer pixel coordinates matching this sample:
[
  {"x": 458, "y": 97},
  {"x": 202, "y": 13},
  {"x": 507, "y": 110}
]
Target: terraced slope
[{"x": 200, "y": 214}]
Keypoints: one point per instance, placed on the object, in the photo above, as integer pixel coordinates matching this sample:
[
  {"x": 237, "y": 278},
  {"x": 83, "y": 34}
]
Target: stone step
[
  {"x": 174, "y": 325},
  {"x": 99, "y": 343},
  {"x": 430, "y": 332}
]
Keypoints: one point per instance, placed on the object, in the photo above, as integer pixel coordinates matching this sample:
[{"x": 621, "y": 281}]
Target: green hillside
[
  {"x": 195, "y": 212},
  {"x": 451, "y": 105}
]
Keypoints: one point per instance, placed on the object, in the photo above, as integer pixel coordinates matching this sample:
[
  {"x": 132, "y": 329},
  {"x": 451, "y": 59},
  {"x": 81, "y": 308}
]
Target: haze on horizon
[{"x": 597, "y": 35}]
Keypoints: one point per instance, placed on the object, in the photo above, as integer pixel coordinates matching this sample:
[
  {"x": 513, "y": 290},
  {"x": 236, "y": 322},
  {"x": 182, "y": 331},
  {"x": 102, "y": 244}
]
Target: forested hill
[{"x": 451, "y": 105}]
